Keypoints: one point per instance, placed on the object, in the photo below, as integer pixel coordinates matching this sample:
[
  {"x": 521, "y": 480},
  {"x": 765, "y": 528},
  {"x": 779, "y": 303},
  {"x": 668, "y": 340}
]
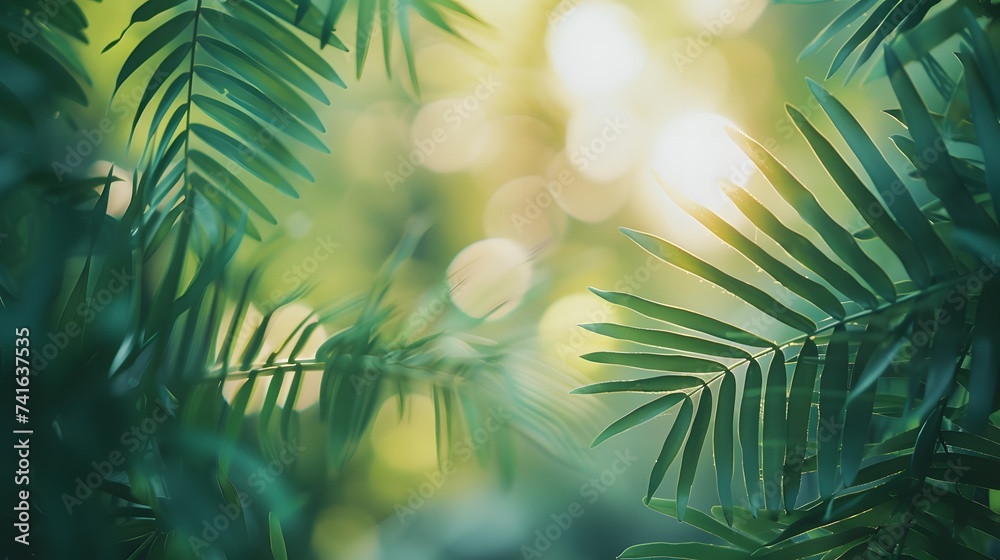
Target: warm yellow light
[
  {"x": 694, "y": 153},
  {"x": 560, "y": 330},
  {"x": 724, "y": 17},
  {"x": 583, "y": 198},
  {"x": 407, "y": 445},
  {"x": 280, "y": 327},
  {"x": 489, "y": 278},
  {"x": 450, "y": 135},
  {"x": 121, "y": 190},
  {"x": 525, "y": 210},
  {"x": 603, "y": 140},
  {"x": 345, "y": 532},
  {"x": 594, "y": 48}
]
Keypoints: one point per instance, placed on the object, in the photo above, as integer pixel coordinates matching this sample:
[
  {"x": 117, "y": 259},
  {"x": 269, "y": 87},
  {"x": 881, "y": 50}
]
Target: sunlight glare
[
  {"x": 489, "y": 278},
  {"x": 694, "y": 153},
  {"x": 724, "y": 17},
  {"x": 595, "y": 50}
]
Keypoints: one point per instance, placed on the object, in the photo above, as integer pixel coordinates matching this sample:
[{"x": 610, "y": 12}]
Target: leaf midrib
[
  {"x": 190, "y": 93},
  {"x": 849, "y": 319}
]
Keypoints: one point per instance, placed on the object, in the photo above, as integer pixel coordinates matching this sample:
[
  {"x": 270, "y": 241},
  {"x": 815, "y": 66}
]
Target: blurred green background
[{"x": 528, "y": 146}]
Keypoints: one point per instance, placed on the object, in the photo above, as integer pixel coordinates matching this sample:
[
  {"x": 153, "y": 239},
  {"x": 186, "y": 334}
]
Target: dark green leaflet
[
  {"x": 867, "y": 205},
  {"x": 985, "y": 359},
  {"x": 686, "y": 551},
  {"x": 984, "y": 116},
  {"x": 723, "y": 440},
  {"x": 774, "y": 432},
  {"x": 671, "y": 447},
  {"x": 833, "y": 396},
  {"x": 939, "y": 174},
  {"x": 749, "y": 430},
  {"x": 684, "y": 318},
  {"x": 859, "y": 412},
  {"x": 152, "y": 44},
  {"x": 666, "y": 339},
  {"x": 796, "y": 194},
  {"x": 706, "y": 523},
  {"x": 692, "y": 451},
  {"x": 836, "y": 26},
  {"x": 660, "y": 384},
  {"x": 863, "y": 32},
  {"x": 811, "y": 291},
  {"x": 800, "y": 398},
  {"x": 640, "y": 415},
  {"x": 656, "y": 362},
  {"x": 899, "y": 200},
  {"x": 799, "y": 247},
  {"x": 672, "y": 254}
]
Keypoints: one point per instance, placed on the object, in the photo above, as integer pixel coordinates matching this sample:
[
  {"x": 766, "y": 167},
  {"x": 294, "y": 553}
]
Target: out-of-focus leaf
[{"x": 278, "y": 550}]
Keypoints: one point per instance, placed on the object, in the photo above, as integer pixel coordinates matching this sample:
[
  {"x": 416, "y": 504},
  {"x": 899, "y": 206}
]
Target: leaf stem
[
  {"x": 850, "y": 319},
  {"x": 190, "y": 94}
]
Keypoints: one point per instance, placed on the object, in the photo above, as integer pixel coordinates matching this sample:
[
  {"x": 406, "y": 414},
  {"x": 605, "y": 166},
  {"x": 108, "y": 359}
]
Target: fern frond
[
  {"x": 199, "y": 352},
  {"x": 36, "y": 53},
  {"x": 375, "y": 18},
  {"x": 863, "y": 400},
  {"x": 913, "y": 29},
  {"x": 232, "y": 79}
]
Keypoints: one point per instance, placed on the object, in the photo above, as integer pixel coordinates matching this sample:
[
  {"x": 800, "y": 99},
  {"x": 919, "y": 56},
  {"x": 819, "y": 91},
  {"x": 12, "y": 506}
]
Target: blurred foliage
[{"x": 140, "y": 450}]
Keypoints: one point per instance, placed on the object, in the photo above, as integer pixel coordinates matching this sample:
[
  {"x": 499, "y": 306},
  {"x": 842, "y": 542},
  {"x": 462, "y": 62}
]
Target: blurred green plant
[
  {"x": 889, "y": 416},
  {"x": 135, "y": 346}
]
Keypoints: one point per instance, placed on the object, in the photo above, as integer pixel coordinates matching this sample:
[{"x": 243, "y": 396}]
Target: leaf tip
[{"x": 817, "y": 89}]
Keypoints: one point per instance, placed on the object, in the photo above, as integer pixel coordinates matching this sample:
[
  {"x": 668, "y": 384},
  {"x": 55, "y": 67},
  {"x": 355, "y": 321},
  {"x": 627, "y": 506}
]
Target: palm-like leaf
[
  {"x": 375, "y": 18},
  {"x": 927, "y": 24},
  {"x": 37, "y": 46},
  {"x": 42, "y": 80},
  {"x": 228, "y": 90},
  {"x": 866, "y": 398},
  {"x": 232, "y": 82},
  {"x": 199, "y": 351}
]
